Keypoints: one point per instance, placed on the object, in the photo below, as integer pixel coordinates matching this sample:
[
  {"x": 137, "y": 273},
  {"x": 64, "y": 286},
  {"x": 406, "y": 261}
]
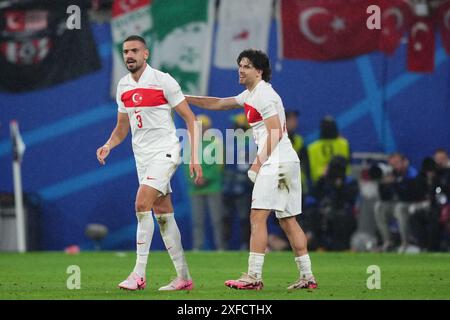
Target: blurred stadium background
[{"x": 58, "y": 87}]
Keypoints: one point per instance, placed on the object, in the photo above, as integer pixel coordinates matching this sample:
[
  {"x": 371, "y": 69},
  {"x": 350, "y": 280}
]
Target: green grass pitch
[{"x": 340, "y": 276}]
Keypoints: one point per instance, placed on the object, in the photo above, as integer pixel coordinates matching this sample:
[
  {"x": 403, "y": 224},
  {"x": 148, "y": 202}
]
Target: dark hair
[
  {"x": 328, "y": 128},
  {"x": 260, "y": 61},
  {"x": 375, "y": 172},
  {"x": 428, "y": 164},
  {"x": 397, "y": 154},
  {"x": 292, "y": 113},
  {"x": 135, "y": 38},
  {"x": 337, "y": 167}
]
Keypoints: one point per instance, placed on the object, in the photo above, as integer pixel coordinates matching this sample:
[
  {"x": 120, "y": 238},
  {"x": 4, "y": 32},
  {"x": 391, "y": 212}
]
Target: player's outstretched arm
[
  {"x": 194, "y": 137},
  {"x": 213, "y": 103},
  {"x": 119, "y": 133}
]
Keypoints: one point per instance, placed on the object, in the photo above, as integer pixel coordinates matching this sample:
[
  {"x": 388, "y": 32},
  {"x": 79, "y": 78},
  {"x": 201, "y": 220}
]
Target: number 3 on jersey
[{"x": 139, "y": 121}]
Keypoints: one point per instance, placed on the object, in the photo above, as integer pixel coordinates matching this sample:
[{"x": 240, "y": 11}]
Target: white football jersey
[
  {"x": 262, "y": 103},
  {"x": 149, "y": 104}
]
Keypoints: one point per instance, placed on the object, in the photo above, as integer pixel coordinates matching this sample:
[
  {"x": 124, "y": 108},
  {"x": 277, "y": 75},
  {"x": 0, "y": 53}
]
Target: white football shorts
[
  {"x": 159, "y": 171},
  {"x": 278, "y": 187}
]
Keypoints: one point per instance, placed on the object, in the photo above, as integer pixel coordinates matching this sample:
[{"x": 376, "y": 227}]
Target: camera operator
[
  {"x": 336, "y": 195},
  {"x": 442, "y": 160},
  {"x": 427, "y": 206}
]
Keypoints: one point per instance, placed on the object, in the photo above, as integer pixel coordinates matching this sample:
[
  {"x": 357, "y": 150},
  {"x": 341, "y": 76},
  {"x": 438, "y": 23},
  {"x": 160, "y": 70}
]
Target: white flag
[
  {"x": 242, "y": 25},
  {"x": 17, "y": 141}
]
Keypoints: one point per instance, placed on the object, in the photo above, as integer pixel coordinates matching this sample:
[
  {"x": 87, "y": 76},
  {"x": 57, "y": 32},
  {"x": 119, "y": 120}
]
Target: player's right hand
[{"x": 102, "y": 153}]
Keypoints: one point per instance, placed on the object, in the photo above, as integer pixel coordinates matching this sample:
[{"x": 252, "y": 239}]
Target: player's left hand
[{"x": 197, "y": 170}]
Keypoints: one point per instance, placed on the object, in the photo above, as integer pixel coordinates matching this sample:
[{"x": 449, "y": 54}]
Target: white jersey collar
[
  {"x": 144, "y": 74},
  {"x": 260, "y": 83}
]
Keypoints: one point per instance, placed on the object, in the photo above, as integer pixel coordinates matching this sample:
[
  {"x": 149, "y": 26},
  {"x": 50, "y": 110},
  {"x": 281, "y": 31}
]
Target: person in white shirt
[
  {"x": 145, "y": 99},
  {"x": 275, "y": 170}
]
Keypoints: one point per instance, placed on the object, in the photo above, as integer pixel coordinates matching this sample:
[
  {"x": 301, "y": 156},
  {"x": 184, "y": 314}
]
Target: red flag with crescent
[
  {"x": 443, "y": 22},
  {"x": 421, "y": 45},
  {"x": 325, "y": 29},
  {"x": 395, "y": 19}
]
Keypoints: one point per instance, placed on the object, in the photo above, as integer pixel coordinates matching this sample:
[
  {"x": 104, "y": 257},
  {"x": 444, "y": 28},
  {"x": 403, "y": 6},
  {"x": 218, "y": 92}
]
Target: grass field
[{"x": 340, "y": 276}]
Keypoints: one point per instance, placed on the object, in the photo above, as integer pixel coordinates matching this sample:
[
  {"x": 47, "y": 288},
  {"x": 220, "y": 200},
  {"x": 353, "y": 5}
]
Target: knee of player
[
  {"x": 161, "y": 209},
  {"x": 142, "y": 206}
]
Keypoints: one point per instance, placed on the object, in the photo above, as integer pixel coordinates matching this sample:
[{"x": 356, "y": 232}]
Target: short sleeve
[
  {"x": 172, "y": 91},
  {"x": 240, "y": 99},
  {"x": 267, "y": 108},
  {"x": 120, "y": 105}
]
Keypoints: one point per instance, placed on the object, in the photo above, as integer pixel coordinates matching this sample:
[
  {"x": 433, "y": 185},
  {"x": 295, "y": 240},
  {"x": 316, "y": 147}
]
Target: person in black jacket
[
  {"x": 442, "y": 160},
  {"x": 336, "y": 194},
  {"x": 426, "y": 207}
]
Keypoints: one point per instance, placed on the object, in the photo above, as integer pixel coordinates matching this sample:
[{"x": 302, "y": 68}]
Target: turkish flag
[
  {"x": 421, "y": 45},
  {"x": 443, "y": 21},
  {"x": 395, "y": 18},
  {"x": 15, "y": 20},
  {"x": 325, "y": 29}
]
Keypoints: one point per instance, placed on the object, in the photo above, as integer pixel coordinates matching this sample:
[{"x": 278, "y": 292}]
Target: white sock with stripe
[
  {"x": 144, "y": 236},
  {"x": 172, "y": 240}
]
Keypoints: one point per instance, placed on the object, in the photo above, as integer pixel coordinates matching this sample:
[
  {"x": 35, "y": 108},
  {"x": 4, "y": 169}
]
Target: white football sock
[
  {"x": 144, "y": 237},
  {"x": 304, "y": 265},
  {"x": 255, "y": 265},
  {"x": 172, "y": 239}
]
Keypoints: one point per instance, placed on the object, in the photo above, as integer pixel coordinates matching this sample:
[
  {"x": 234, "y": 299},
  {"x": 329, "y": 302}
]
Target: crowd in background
[{"x": 381, "y": 203}]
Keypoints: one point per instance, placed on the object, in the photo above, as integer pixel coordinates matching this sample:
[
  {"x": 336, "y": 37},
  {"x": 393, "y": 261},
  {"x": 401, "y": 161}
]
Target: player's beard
[{"x": 136, "y": 68}]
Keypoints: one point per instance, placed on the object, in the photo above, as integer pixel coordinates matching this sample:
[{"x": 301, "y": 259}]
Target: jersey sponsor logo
[
  {"x": 252, "y": 114},
  {"x": 143, "y": 98},
  {"x": 137, "y": 111}
]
